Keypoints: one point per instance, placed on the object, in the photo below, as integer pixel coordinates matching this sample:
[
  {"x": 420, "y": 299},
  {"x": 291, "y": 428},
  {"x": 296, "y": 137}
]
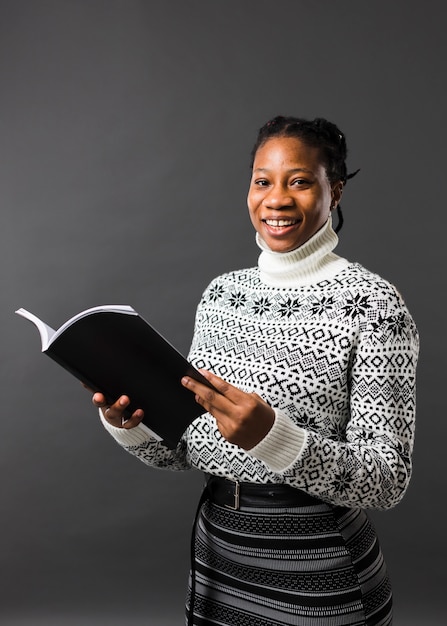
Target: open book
[{"x": 113, "y": 350}]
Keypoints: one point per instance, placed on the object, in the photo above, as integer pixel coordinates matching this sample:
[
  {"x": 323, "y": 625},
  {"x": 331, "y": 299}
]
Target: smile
[{"x": 281, "y": 223}]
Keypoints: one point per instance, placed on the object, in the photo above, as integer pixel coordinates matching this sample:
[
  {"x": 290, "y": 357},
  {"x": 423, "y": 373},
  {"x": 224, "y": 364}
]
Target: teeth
[{"x": 280, "y": 222}]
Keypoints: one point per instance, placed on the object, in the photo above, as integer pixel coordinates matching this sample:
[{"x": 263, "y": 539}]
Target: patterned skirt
[{"x": 312, "y": 565}]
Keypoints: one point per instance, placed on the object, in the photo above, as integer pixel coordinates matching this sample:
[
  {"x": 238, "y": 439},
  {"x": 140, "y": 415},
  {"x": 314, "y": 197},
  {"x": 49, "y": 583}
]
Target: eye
[
  {"x": 261, "y": 182},
  {"x": 300, "y": 182}
]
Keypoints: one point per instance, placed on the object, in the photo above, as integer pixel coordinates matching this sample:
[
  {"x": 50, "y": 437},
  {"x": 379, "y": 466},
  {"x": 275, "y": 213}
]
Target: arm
[
  {"x": 371, "y": 465},
  {"x": 136, "y": 438},
  {"x": 368, "y": 464}
]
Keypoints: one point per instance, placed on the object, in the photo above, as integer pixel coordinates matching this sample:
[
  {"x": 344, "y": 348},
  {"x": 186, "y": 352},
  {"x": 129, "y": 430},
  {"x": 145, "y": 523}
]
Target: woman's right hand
[{"x": 114, "y": 413}]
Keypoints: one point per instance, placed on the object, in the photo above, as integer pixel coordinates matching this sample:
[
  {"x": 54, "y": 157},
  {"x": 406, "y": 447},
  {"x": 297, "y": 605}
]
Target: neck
[{"x": 312, "y": 262}]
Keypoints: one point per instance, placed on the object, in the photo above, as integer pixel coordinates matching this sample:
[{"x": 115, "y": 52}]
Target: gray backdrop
[{"x": 125, "y": 132}]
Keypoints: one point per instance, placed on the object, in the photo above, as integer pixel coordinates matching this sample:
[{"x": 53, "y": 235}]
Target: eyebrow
[{"x": 291, "y": 171}]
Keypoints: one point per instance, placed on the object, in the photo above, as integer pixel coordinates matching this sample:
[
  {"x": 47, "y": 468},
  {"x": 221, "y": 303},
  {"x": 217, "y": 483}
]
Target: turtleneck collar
[{"x": 312, "y": 262}]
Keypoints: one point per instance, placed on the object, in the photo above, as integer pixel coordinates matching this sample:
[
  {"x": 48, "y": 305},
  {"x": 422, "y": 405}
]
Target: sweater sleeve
[
  {"x": 141, "y": 443},
  {"x": 369, "y": 465}
]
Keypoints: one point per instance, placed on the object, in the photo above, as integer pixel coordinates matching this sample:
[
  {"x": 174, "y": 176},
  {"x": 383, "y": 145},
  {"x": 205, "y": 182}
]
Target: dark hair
[{"x": 318, "y": 133}]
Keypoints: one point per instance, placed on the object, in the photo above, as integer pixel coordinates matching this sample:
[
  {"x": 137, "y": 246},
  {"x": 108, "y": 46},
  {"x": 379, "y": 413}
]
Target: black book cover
[{"x": 115, "y": 351}]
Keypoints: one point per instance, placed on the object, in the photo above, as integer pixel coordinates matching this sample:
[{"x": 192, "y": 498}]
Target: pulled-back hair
[{"x": 318, "y": 133}]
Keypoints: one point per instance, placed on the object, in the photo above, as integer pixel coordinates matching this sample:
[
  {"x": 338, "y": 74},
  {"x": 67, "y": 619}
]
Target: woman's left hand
[{"x": 242, "y": 418}]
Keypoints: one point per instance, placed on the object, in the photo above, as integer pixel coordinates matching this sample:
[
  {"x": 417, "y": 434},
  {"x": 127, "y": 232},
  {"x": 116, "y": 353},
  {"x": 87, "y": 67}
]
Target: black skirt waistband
[{"x": 233, "y": 494}]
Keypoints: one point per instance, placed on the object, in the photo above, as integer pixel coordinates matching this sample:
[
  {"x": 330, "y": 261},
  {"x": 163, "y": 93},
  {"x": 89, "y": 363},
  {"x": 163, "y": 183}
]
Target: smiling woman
[
  {"x": 290, "y": 195},
  {"x": 310, "y": 418}
]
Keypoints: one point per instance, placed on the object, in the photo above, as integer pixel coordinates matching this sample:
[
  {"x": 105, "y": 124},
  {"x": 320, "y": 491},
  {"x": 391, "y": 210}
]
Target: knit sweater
[{"x": 333, "y": 349}]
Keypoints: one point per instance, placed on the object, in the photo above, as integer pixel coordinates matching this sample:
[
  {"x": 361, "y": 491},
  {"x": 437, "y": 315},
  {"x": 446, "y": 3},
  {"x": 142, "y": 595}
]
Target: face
[{"x": 290, "y": 197}]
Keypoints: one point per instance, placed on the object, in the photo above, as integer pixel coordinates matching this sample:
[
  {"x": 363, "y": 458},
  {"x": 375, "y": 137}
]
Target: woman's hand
[
  {"x": 114, "y": 413},
  {"x": 242, "y": 418}
]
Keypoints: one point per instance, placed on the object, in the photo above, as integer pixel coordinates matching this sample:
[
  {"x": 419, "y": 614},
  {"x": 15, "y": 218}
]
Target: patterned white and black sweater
[{"x": 333, "y": 349}]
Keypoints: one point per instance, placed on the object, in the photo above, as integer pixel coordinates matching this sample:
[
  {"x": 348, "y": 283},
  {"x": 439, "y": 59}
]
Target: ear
[{"x": 336, "y": 194}]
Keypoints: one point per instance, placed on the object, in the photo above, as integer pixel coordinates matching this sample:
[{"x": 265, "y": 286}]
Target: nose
[{"x": 278, "y": 198}]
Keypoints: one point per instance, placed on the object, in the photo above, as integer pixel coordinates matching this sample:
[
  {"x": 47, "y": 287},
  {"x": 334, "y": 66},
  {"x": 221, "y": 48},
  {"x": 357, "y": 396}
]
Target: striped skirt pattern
[{"x": 313, "y": 565}]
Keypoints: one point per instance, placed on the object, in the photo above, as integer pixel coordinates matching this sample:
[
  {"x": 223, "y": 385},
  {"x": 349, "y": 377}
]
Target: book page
[
  {"x": 109, "y": 308},
  {"x": 46, "y": 332}
]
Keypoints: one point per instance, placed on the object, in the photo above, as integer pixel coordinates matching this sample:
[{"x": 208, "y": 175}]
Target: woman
[{"x": 313, "y": 359}]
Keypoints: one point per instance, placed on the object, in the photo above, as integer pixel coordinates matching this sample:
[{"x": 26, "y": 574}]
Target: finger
[
  {"x": 114, "y": 413},
  {"x": 211, "y": 399},
  {"x": 99, "y": 400},
  {"x": 223, "y": 387},
  {"x": 135, "y": 419}
]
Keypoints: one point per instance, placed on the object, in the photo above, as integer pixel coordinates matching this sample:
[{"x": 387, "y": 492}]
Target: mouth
[{"x": 281, "y": 223}]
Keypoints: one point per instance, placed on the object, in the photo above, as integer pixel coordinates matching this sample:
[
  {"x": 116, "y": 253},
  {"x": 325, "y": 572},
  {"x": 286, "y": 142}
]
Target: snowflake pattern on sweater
[{"x": 337, "y": 362}]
